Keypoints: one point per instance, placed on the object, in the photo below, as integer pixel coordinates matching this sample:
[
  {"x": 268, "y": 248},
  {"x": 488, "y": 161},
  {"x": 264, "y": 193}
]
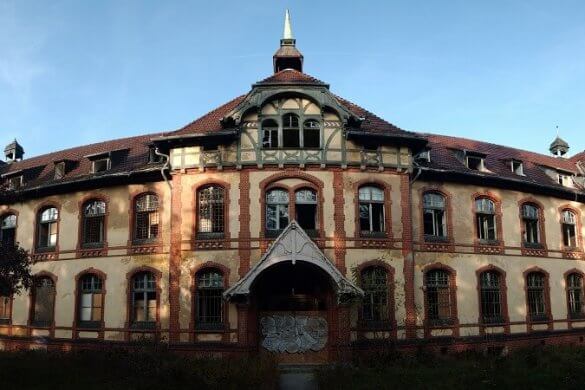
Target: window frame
[
  {"x": 504, "y": 319},
  {"x": 310, "y": 232},
  {"x": 497, "y": 221},
  {"x": 32, "y": 320},
  {"x": 38, "y": 222},
  {"x": 276, "y": 232},
  {"x": 96, "y": 161},
  {"x": 4, "y": 216},
  {"x": 82, "y": 224},
  {"x": 200, "y": 235},
  {"x": 135, "y": 219},
  {"x": 7, "y": 306},
  {"x": 197, "y": 324},
  {"x": 93, "y": 324},
  {"x": 541, "y": 244},
  {"x": 571, "y": 314},
  {"x": 131, "y": 321},
  {"x": 479, "y": 159},
  {"x": 447, "y": 223},
  {"x": 577, "y": 226},
  {"x": 452, "y": 321},
  {"x": 546, "y": 316},
  {"x": 384, "y": 220}
]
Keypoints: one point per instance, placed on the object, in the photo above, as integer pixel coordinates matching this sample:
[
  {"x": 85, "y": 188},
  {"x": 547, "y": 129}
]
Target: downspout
[{"x": 165, "y": 167}]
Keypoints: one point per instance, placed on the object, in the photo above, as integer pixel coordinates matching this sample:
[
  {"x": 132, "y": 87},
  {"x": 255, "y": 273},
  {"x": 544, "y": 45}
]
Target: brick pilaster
[
  {"x": 408, "y": 256},
  {"x": 175, "y": 260},
  {"x": 339, "y": 219},
  {"x": 244, "y": 235}
]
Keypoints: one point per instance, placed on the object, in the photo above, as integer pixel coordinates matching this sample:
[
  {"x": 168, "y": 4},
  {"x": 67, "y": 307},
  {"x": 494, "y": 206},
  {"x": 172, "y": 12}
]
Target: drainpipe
[{"x": 165, "y": 167}]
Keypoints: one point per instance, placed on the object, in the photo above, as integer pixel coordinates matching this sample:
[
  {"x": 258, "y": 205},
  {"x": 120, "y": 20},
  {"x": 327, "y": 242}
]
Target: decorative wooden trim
[
  {"x": 481, "y": 247},
  {"x": 454, "y": 320},
  {"x": 576, "y": 252},
  {"x": 527, "y": 251},
  {"x": 374, "y": 242},
  {"x": 32, "y": 303},
  {"x": 92, "y": 252},
  {"x": 129, "y": 286},
  {"x": 154, "y": 246},
  {"x": 547, "y": 303},
  {"x": 75, "y": 326},
  {"x": 439, "y": 246},
  {"x": 503, "y": 296}
]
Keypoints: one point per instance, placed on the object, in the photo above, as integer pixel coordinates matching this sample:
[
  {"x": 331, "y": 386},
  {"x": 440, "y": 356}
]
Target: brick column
[
  {"x": 339, "y": 243},
  {"x": 244, "y": 234},
  {"x": 408, "y": 256},
  {"x": 175, "y": 260}
]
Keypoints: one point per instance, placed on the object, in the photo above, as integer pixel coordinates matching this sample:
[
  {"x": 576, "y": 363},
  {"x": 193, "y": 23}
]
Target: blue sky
[{"x": 75, "y": 72}]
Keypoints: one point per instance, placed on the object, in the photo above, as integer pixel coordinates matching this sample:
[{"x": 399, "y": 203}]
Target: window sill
[{"x": 209, "y": 236}]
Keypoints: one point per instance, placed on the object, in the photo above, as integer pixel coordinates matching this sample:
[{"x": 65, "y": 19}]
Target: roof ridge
[{"x": 274, "y": 77}]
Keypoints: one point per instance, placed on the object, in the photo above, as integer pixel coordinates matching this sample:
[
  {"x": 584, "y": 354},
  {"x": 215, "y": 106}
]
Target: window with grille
[
  {"x": 44, "y": 302},
  {"x": 569, "y": 225},
  {"x": 90, "y": 301},
  {"x": 94, "y": 214},
  {"x": 211, "y": 218},
  {"x": 269, "y": 134},
  {"x": 491, "y": 297},
  {"x": 374, "y": 282},
  {"x": 311, "y": 134},
  {"x": 276, "y": 211},
  {"x": 438, "y": 293},
  {"x": 485, "y": 214},
  {"x": 144, "y": 300},
  {"x": 290, "y": 131},
  {"x": 47, "y": 229},
  {"x": 5, "y": 308},
  {"x": 575, "y": 295},
  {"x": 531, "y": 221},
  {"x": 434, "y": 216},
  {"x": 209, "y": 311},
  {"x": 8, "y": 230},
  {"x": 306, "y": 210},
  {"x": 371, "y": 210},
  {"x": 146, "y": 227},
  {"x": 535, "y": 282}
]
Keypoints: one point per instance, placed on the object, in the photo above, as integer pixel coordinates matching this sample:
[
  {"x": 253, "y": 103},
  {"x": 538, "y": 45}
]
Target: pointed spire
[
  {"x": 287, "y": 33},
  {"x": 287, "y": 56}
]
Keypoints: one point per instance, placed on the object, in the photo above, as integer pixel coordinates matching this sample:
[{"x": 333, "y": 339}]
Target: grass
[
  {"x": 538, "y": 368},
  {"x": 145, "y": 369}
]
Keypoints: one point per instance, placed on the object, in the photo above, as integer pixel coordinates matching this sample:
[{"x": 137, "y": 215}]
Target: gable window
[
  {"x": 517, "y": 167},
  {"x": 276, "y": 211},
  {"x": 434, "y": 216},
  {"x": 537, "y": 306},
  {"x": 269, "y": 134},
  {"x": 146, "y": 226},
  {"x": 91, "y": 300},
  {"x": 306, "y": 210},
  {"x": 374, "y": 282},
  {"x": 371, "y": 210},
  {"x": 94, "y": 215},
  {"x": 491, "y": 297},
  {"x": 438, "y": 296},
  {"x": 311, "y": 134},
  {"x": 475, "y": 163},
  {"x": 569, "y": 226},
  {"x": 290, "y": 131},
  {"x": 485, "y": 215},
  {"x": 59, "y": 170},
  {"x": 211, "y": 215},
  {"x": 48, "y": 227},
  {"x": 144, "y": 299},
  {"x": 575, "y": 295},
  {"x": 209, "y": 311},
  {"x": 43, "y": 302},
  {"x": 8, "y": 230},
  {"x": 100, "y": 165},
  {"x": 531, "y": 222}
]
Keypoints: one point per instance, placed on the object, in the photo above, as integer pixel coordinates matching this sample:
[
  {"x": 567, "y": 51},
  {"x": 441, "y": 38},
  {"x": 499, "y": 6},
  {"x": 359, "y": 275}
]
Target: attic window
[
  {"x": 15, "y": 182},
  {"x": 425, "y": 155},
  {"x": 475, "y": 163},
  {"x": 101, "y": 165},
  {"x": 59, "y": 170},
  {"x": 564, "y": 180},
  {"x": 517, "y": 167},
  {"x": 153, "y": 157}
]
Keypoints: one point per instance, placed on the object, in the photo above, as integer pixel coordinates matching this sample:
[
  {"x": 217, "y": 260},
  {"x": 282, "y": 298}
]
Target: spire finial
[{"x": 287, "y": 33}]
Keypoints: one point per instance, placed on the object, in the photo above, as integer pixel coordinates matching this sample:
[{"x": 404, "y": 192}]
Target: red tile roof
[{"x": 290, "y": 76}]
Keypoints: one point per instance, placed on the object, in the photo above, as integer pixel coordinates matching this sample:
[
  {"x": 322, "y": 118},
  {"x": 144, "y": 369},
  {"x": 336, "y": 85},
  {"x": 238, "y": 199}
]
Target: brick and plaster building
[{"x": 294, "y": 222}]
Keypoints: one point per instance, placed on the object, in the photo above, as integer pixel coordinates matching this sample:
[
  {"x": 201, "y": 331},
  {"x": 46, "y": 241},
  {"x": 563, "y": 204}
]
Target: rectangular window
[
  {"x": 531, "y": 231},
  {"x": 59, "y": 170},
  {"x": 15, "y": 183},
  {"x": 486, "y": 227},
  {"x": 4, "y": 308},
  {"x": 434, "y": 225},
  {"x": 517, "y": 167},
  {"x": 101, "y": 165},
  {"x": 145, "y": 306},
  {"x": 475, "y": 163},
  {"x": 270, "y": 138},
  {"x": 306, "y": 216},
  {"x": 569, "y": 236},
  {"x": 93, "y": 232},
  {"x": 91, "y": 307},
  {"x": 311, "y": 138},
  {"x": 290, "y": 138}
]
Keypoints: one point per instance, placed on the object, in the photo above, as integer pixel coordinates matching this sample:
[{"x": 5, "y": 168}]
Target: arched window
[
  {"x": 537, "y": 305},
  {"x": 91, "y": 301},
  {"x": 311, "y": 134},
  {"x": 306, "y": 210},
  {"x": 269, "y": 134},
  {"x": 8, "y": 230},
  {"x": 94, "y": 229},
  {"x": 575, "y": 295},
  {"x": 146, "y": 218},
  {"x": 531, "y": 224},
  {"x": 43, "y": 302},
  {"x": 290, "y": 131},
  {"x": 485, "y": 218},
  {"x": 374, "y": 282},
  {"x": 211, "y": 213},
  {"x": 209, "y": 310},
  {"x": 276, "y": 211},
  {"x": 491, "y": 297},
  {"x": 144, "y": 300},
  {"x": 47, "y": 228},
  {"x": 438, "y": 296},
  {"x": 569, "y": 226},
  {"x": 434, "y": 216},
  {"x": 371, "y": 210}
]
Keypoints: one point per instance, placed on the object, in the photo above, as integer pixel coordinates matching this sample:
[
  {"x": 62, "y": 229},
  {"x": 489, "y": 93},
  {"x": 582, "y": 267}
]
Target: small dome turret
[{"x": 559, "y": 147}]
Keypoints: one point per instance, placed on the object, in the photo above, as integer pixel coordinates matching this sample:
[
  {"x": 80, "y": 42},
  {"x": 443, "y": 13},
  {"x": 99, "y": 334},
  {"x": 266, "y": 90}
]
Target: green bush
[{"x": 144, "y": 369}]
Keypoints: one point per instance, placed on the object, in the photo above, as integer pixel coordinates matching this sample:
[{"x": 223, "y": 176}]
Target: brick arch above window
[
  {"x": 387, "y": 189},
  {"x": 577, "y": 252},
  {"x": 503, "y": 296},
  {"x": 152, "y": 246},
  {"x": 210, "y": 242},
  {"x": 53, "y": 253},
  {"x": 446, "y": 245},
  {"x": 541, "y": 251}
]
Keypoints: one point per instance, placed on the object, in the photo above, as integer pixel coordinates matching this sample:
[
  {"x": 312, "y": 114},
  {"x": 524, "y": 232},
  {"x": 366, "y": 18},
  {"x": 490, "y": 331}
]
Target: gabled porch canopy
[{"x": 294, "y": 245}]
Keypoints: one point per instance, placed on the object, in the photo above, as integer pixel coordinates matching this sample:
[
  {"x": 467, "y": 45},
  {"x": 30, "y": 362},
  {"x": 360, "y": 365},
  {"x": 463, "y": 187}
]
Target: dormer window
[
  {"x": 424, "y": 156},
  {"x": 475, "y": 163},
  {"x": 101, "y": 165},
  {"x": 153, "y": 157},
  {"x": 59, "y": 170},
  {"x": 15, "y": 183},
  {"x": 564, "y": 180},
  {"x": 517, "y": 167}
]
